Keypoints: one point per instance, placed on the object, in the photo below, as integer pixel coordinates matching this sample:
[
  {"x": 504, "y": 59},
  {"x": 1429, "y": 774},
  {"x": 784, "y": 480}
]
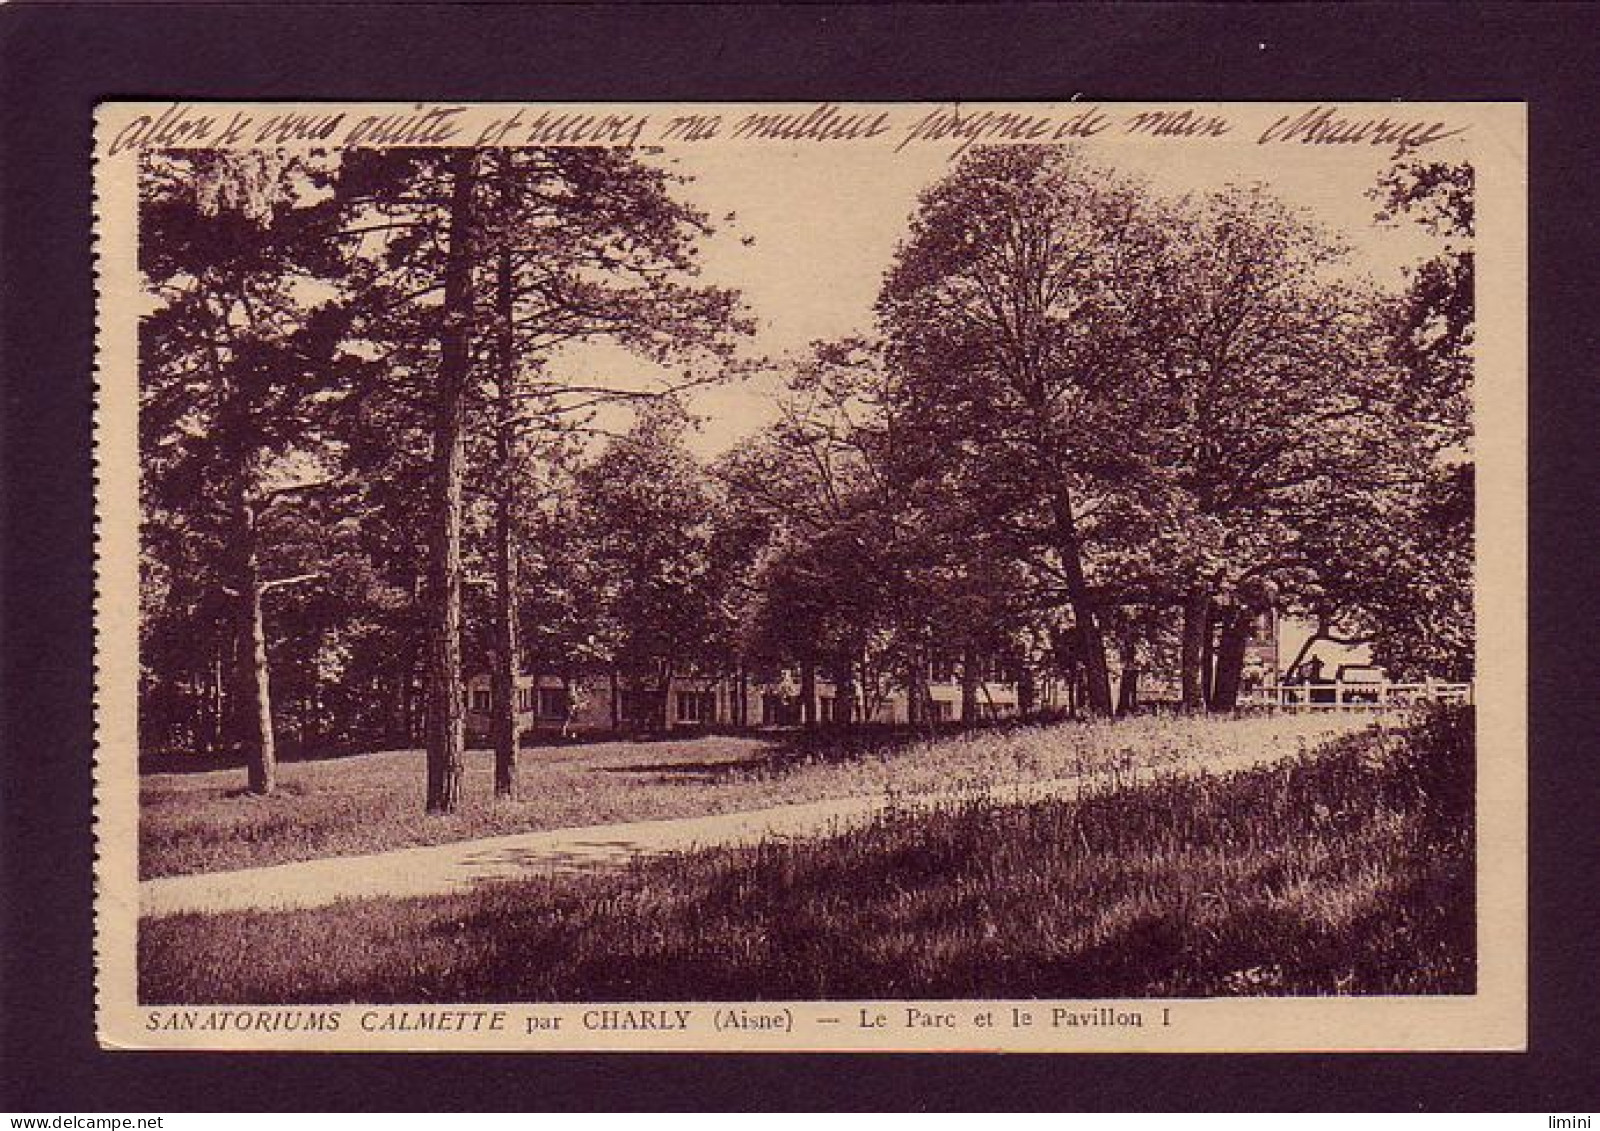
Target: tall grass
[
  {"x": 1347, "y": 871},
  {"x": 202, "y": 822}
]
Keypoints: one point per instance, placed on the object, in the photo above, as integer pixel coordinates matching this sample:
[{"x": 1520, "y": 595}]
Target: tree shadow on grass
[{"x": 794, "y": 748}]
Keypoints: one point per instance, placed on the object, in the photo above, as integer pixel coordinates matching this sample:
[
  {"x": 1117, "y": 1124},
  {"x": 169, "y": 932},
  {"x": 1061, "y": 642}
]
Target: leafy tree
[
  {"x": 493, "y": 261},
  {"x": 588, "y": 244},
  {"x": 840, "y": 579},
  {"x": 1431, "y": 328},
  {"x": 237, "y": 362},
  {"x": 1407, "y": 576},
  {"x": 1018, "y": 310},
  {"x": 1270, "y": 405},
  {"x": 646, "y": 512}
]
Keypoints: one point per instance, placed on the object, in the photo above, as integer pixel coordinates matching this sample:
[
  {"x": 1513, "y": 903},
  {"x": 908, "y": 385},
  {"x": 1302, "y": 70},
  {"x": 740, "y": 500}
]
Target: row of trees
[
  {"x": 1091, "y": 425},
  {"x": 1097, "y": 429},
  {"x": 341, "y": 344}
]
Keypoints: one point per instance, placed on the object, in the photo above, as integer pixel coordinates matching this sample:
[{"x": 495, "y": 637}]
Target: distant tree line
[{"x": 1092, "y": 427}]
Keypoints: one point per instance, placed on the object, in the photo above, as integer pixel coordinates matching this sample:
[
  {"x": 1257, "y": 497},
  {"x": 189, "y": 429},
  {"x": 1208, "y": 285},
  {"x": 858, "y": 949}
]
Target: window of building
[
  {"x": 480, "y": 700},
  {"x": 942, "y": 669},
  {"x": 697, "y": 706},
  {"x": 524, "y": 699},
  {"x": 553, "y": 702}
]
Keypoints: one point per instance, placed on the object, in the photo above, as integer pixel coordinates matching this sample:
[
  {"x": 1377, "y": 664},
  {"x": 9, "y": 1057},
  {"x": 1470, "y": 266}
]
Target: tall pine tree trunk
[
  {"x": 261, "y": 755},
  {"x": 1196, "y": 627},
  {"x": 1128, "y": 685},
  {"x": 808, "y": 693},
  {"x": 969, "y": 685},
  {"x": 506, "y": 645},
  {"x": 1230, "y": 659},
  {"x": 920, "y": 710},
  {"x": 249, "y": 720},
  {"x": 446, "y": 706},
  {"x": 1026, "y": 692},
  {"x": 1091, "y": 640},
  {"x": 664, "y": 712},
  {"x": 844, "y": 691}
]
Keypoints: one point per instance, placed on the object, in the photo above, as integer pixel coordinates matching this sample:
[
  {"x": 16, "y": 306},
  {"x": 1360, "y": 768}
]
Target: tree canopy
[{"x": 1092, "y": 434}]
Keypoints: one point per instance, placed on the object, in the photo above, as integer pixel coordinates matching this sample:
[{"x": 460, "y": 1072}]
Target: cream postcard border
[{"x": 1494, "y": 1018}]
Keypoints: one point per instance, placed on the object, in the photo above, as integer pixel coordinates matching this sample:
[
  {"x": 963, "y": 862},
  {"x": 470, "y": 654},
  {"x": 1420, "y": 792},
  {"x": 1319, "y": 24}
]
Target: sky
[{"x": 815, "y": 228}]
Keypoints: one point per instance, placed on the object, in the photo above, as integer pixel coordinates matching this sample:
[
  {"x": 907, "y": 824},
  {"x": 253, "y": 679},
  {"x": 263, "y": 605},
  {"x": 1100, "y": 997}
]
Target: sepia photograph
[{"x": 830, "y": 576}]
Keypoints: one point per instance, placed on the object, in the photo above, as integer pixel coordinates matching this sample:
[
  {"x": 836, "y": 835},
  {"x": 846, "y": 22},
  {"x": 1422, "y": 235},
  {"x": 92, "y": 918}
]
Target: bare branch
[{"x": 284, "y": 582}]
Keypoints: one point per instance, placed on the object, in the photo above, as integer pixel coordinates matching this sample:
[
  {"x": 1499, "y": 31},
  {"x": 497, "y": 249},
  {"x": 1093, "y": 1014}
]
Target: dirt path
[{"x": 446, "y": 868}]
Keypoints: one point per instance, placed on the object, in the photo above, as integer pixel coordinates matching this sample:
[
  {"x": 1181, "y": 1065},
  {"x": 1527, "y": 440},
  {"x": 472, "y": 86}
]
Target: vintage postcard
[{"x": 861, "y": 577}]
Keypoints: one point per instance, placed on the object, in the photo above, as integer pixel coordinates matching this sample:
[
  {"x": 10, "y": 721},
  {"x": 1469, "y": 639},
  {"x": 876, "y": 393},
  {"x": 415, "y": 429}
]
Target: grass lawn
[
  {"x": 1347, "y": 871},
  {"x": 203, "y": 822}
]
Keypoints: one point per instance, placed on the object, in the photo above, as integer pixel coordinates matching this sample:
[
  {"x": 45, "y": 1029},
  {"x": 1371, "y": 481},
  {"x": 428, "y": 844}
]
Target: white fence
[{"x": 1338, "y": 696}]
